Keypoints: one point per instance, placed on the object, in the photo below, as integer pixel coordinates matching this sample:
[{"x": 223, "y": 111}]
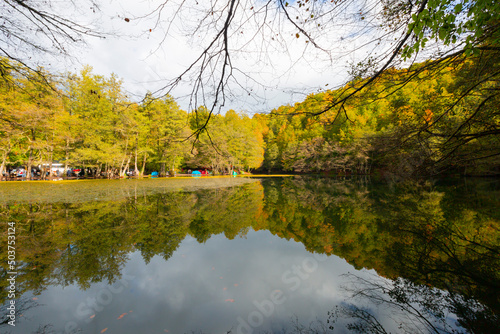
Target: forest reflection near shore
[{"x": 433, "y": 234}]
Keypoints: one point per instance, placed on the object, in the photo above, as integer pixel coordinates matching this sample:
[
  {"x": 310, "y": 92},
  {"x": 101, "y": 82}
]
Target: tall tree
[{"x": 167, "y": 133}]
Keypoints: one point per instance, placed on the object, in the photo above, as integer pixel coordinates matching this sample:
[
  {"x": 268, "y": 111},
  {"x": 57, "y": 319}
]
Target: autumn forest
[{"x": 427, "y": 119}]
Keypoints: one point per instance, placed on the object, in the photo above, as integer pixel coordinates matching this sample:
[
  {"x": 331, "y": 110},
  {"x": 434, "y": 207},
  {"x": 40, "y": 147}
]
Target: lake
[{"x": 251, "y": 255}]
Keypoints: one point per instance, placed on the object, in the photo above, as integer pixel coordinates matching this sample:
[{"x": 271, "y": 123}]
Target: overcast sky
[{"x": 278, "y": 72}]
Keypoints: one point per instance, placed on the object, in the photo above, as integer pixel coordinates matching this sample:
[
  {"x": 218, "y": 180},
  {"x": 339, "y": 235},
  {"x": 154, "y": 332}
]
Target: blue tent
[{"x": 196, "y": 173}]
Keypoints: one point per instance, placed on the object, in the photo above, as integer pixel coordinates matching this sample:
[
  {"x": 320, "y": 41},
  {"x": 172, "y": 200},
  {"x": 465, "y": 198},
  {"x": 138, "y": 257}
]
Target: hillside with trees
[
  {"x": 444, "y": 121},
  {"x": 432, "y": 124}
]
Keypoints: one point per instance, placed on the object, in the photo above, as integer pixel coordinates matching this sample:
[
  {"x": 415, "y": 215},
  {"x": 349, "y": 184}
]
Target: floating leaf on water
[{"x": 122, "y": 315}]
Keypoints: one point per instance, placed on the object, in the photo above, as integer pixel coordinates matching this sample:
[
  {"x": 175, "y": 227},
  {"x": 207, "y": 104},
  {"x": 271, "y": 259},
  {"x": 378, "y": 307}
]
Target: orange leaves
[
  {"x": 122, "y": 315},
  {"x": 428, "y": 115}
]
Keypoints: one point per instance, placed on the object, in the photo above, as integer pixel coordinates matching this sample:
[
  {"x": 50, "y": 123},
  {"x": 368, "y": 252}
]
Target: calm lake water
[{"x": 252, "y": 255}]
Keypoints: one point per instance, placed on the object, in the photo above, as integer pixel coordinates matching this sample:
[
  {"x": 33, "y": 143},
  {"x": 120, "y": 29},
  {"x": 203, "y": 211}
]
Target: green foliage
[
  {"x": 229, "y": 142},
  {"x": 93, "y": 125},
  {"x": 434, "y": 117},
  {"x": 437, "y": 116},
  {"x": 473, "y": 21}
]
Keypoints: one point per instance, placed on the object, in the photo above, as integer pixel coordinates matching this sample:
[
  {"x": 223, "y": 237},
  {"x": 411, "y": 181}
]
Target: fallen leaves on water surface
[
  {"x": 92, "y": 316},
  {"x": 122, "y": 315},
  {"x": 230, "y": 300},
  {"x": 105, "y": 329},
  {"x": 89, "y": 190}
]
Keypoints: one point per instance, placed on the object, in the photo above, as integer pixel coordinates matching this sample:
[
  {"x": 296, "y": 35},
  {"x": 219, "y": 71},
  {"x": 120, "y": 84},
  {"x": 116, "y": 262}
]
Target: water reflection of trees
[
  {"x": 85, "y": 243},
  {"x": 443, "y": 239},
  {"x": 413, "y": 308},
  {"x": 424, "y": 236},
  {"x": 428, "y": 234}
]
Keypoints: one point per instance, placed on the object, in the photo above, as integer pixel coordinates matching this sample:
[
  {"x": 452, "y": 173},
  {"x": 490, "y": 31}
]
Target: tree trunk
[
  {"x": 173, "y": 166},
  {"x": 162, "y": 169},
  {"x": 125, "y": 156},
  {"x": 99, "y": 170},
  {"x": 124, "y": 170},
  {"x": 66, "y": 157},
  {"x": 4, "y": 162},
  {"x": 50, "y": 166},
  {"x": 28, "y": 167},
  {"x": 43, "y": 168},
  {"x": 2, "y": 167},
  {"x": 144, "y": 164},
  {"x": 30, "y": 159},
  {"x": 136, "y": 170}
]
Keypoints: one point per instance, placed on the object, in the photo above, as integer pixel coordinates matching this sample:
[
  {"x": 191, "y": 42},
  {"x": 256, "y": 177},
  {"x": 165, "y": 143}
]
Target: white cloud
[{"x": 274, "y": 67}]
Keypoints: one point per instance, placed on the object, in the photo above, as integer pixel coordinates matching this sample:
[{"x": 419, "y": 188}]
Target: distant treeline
[{"x": 439, "y": 121}]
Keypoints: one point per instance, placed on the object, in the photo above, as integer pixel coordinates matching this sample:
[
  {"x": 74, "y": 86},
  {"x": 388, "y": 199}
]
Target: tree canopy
[{"x": 95, "y": 127}]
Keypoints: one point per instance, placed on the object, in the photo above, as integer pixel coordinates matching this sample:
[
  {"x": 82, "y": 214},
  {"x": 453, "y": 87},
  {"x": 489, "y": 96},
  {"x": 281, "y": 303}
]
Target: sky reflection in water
[
  {"x": 262, "y": 256},
  {"x": 217, "y": 286}
]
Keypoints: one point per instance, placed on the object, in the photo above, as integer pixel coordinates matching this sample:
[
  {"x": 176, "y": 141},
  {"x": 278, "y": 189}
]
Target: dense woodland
[{"x": 442, "y": 120}]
